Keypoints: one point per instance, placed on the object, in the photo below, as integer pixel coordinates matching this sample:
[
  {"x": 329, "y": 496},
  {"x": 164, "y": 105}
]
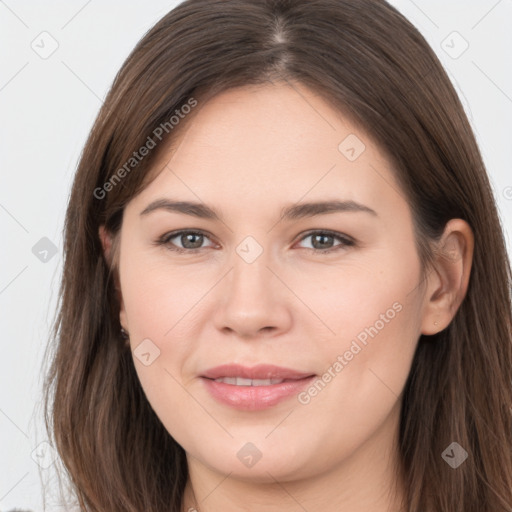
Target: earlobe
[
  {"x": 122, "y": 316},
  {"x": 448, "y": 282}
]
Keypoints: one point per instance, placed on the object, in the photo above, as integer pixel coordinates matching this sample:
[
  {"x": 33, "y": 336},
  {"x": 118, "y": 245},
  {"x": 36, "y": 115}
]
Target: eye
[
  {"x": 322, "y": 241},
  {"x": 191, "y": 240}
]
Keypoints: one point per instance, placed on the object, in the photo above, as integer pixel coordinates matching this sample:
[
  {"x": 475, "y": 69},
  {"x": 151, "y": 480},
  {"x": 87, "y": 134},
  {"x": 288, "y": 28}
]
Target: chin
[{"x": 259, "y": 461}]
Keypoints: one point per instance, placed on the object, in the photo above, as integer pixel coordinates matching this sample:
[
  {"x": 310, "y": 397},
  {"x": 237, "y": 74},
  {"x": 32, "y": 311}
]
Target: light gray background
[{"x": 47, "y": 108}]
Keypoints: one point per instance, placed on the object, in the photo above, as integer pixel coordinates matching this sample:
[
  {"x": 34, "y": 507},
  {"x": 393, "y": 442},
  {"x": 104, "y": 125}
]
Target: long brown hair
[{"x": 370, "y": 63}]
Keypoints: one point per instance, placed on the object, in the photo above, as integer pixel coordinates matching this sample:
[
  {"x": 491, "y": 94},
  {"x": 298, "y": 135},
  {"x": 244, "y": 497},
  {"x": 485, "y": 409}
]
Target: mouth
[
  {"x": 254, "y": 388},
  {"x": 261, "y": 372},
  {"x": 240, "y": 381}
]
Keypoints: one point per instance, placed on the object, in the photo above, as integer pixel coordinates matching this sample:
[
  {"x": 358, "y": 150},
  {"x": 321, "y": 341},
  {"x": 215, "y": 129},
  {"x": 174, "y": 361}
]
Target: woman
[{"x": 206, "y": 358}]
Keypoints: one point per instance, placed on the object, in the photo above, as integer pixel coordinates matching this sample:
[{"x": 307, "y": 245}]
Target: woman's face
[{"x": 258, "y": 287}]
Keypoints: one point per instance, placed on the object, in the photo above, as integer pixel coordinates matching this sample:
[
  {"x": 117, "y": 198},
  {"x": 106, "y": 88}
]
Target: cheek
[
  {"x": 372, "y": 311},
  {"x": 158, "y": 302},
  {"x": 368, "y": 298},
  {"x": 158, "y": 297},
  {"x": 365, "y": 366}
]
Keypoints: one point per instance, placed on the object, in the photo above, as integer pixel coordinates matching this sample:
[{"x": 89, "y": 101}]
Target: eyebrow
[{"x": 297, "y": 211}]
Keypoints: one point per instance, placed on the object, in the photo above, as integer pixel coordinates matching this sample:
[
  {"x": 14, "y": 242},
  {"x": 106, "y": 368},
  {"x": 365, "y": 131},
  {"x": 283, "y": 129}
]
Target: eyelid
[
  {"x": 165, "y": 239},
  {"x": 346, "y": 241}
]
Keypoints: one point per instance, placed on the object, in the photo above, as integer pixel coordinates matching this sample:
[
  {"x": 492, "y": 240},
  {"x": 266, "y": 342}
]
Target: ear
[
  {"x": 106, "y": 242},
  {"x": 108, "y": 251},
  {"x": 448, "y": 281}
]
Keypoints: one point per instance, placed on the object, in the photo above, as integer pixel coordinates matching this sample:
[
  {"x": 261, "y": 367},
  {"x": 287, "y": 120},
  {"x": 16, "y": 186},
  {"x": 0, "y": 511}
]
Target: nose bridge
[
  {"x": 251, "y": 277},
  {"x": 251, "y": 300}
]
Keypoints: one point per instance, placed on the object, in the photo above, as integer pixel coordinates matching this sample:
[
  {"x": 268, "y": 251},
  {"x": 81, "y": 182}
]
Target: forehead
[
  {"x": 273, "y": 142},
  {"x": 255, "y": 119}
]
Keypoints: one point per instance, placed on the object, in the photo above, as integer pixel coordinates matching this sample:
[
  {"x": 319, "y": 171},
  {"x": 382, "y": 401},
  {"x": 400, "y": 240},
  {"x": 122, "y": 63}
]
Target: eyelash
[{"x": 345, "y": 240}]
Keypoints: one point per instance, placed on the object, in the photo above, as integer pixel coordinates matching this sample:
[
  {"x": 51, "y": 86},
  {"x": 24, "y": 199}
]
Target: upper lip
[{"x": 260, "y": 371}]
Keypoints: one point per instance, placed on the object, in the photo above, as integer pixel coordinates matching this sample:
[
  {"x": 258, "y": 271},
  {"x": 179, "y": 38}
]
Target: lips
[
  {"x": 258, "y": 372},
  {"x": 254, "y": 388}
]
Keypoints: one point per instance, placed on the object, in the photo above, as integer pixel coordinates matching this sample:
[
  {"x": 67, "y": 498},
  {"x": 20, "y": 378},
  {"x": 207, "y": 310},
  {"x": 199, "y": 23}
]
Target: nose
[{"x": 252, "y": 301}]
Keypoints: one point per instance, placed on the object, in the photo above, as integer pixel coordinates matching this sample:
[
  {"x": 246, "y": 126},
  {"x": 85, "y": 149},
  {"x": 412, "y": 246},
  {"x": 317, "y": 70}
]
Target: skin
[{"x": 248, "y": 153}]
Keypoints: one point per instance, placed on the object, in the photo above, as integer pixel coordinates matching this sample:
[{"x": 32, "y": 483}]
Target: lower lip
[{"x": 255, "y": 398}]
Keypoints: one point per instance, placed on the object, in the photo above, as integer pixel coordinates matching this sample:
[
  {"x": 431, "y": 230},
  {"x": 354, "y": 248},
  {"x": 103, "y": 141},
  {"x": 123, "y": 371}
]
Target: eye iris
[
  {"x": 186, "y": 238},
  {"x": 322, "y": 244}
]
